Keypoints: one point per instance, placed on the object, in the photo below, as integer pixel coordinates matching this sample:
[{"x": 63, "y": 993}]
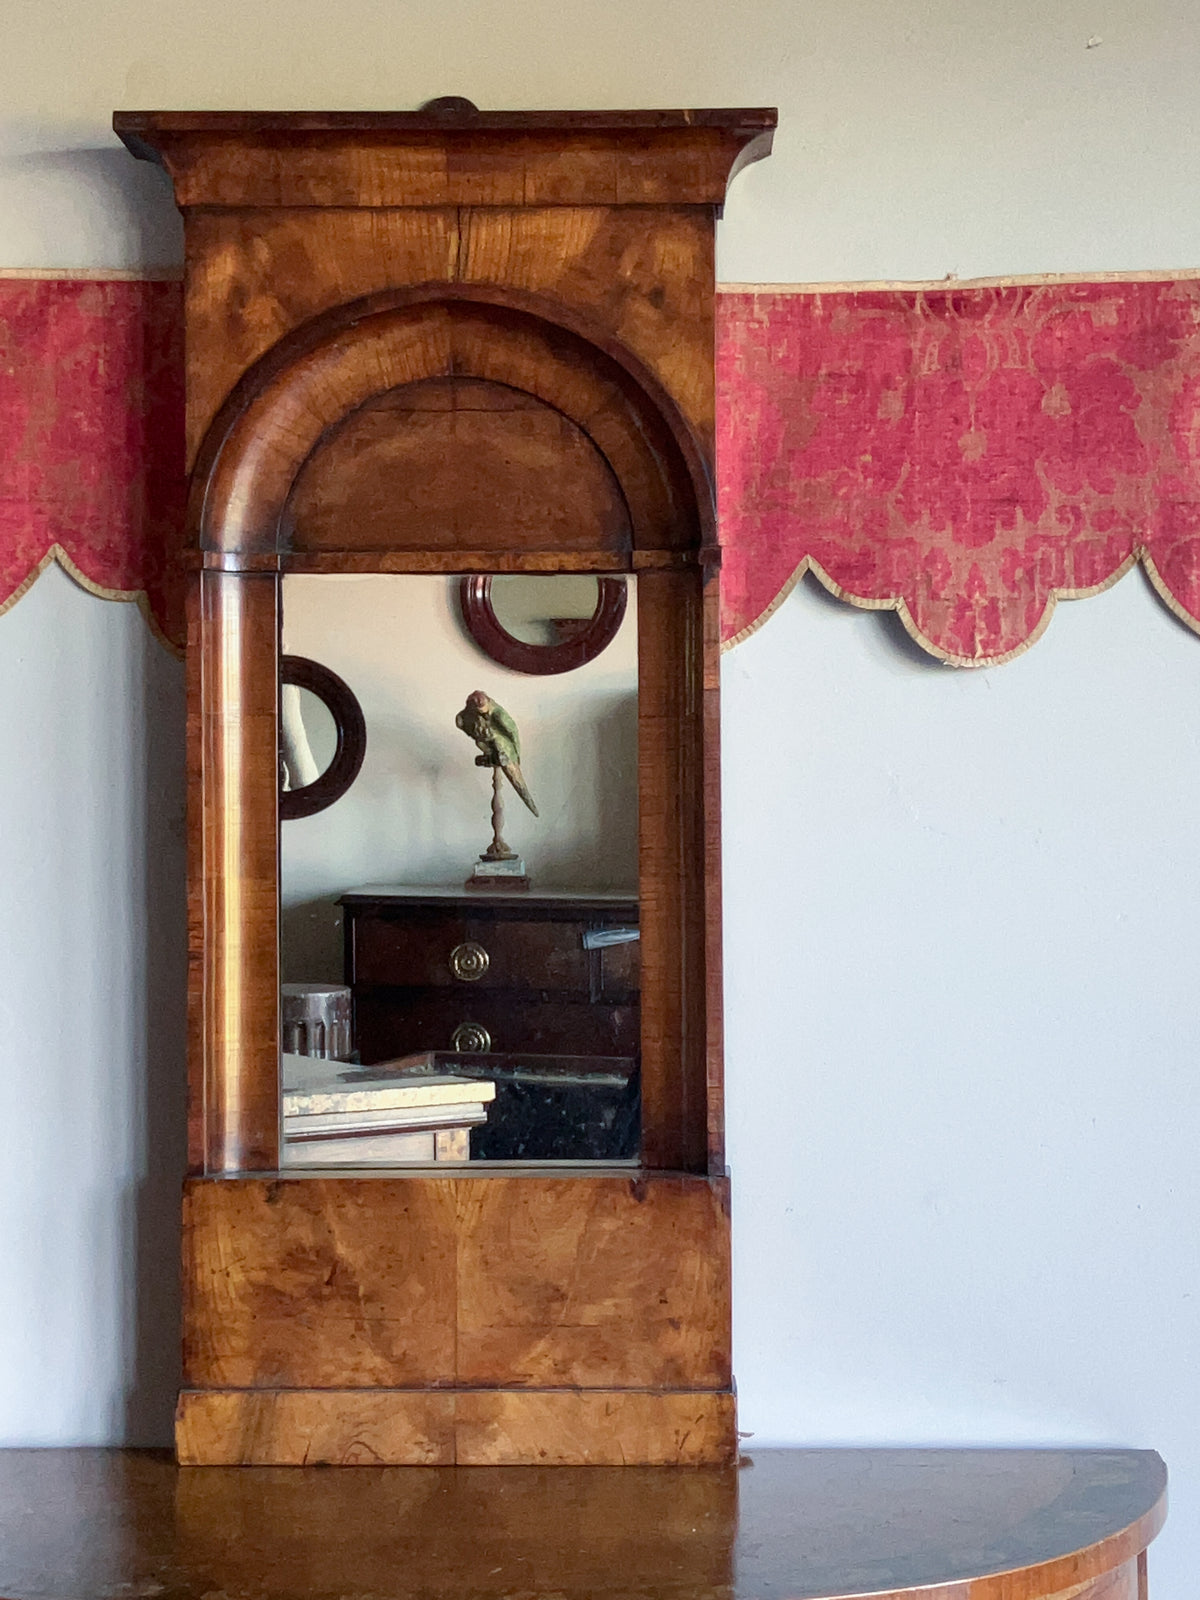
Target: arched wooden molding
[
  {"x": 287, "y": 403},
  {"x": 427, "y": 466}
]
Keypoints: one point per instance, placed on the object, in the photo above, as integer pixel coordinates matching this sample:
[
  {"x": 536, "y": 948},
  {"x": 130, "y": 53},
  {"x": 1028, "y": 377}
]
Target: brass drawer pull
[
  {"x": 470, "y": 1037},
  {"x": 469, "y": 961}
]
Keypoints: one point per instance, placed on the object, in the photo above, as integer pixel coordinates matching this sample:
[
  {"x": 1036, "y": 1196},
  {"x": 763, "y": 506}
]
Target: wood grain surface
[
  {"x": 412, "y": 468},
  {"x": 495, "y": 1281},
  {"x": 503, "y": 324},
  {"x": 456, "y": 1427},
  {"x": 648, "y": 278},
  {"x": 233, "y": 872},
  {"x": 286, "y": 405},
  {"x": 677, "y": 809},
  {"x": 804, "y": 1524},
  {"x": 459, "y": 156}
]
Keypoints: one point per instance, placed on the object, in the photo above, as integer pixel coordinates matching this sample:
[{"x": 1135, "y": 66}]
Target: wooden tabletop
[{"x": 787, "y": 1525}]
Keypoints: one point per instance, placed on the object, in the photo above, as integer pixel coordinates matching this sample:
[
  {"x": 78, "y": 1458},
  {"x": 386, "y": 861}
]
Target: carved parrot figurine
[{"x": 495, "y": 732}]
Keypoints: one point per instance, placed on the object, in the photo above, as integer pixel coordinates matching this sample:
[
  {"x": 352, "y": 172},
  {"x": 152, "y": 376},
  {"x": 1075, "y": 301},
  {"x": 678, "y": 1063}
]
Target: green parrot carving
[{"x": 495, "y": 732}]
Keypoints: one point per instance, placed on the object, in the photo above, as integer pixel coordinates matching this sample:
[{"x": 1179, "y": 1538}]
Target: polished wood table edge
[
  {"x": 1064, "y": 1575},
  {"x": 436, "y": 894},
  {"x": 815, "y": 1524},
  {"x": 633, "y": 1171}
]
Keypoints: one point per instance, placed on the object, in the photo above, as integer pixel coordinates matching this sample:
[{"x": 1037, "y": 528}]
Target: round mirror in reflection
[
  {"x": 542, "y": 623},
  {"x": 322, "y": 737}
]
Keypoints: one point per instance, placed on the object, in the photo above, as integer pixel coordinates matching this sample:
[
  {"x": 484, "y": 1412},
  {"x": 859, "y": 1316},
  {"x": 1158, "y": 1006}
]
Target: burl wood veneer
[{"x": 400, "y": 328}]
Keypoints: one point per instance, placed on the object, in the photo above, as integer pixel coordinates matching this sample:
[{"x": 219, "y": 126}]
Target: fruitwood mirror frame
[{"x": 499, "y": 278}]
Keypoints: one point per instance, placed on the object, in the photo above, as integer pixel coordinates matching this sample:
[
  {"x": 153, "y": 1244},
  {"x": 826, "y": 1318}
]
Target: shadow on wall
[
  {"x": 153, "y": 1364},
  {"x": 893, "y": 637},
  {"x": 123, "y": 208}
]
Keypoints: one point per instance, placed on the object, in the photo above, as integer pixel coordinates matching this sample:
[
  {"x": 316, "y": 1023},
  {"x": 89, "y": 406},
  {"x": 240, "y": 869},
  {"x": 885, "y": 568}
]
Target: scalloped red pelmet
[
  {"x": 967, "y": 452},
  {"x": 970, "y": 452}
]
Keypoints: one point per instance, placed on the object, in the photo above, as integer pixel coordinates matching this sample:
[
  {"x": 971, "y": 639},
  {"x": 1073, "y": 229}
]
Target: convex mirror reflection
[
  {"x": 543, "y": 623},
  {"x": 322, "y": 737},
  {"x": 544, "y": 610},
  {"x": 467, "y": 909}
]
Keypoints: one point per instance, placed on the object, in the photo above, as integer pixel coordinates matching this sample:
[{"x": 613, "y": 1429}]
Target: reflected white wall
[{"x": 420, "y": 810}]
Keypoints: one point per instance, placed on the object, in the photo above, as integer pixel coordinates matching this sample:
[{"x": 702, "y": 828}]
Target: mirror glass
[
  {"x": 308, "y": 736},
  {"x": 459, "y": 932},
  {"x": 544, "y": 610}
]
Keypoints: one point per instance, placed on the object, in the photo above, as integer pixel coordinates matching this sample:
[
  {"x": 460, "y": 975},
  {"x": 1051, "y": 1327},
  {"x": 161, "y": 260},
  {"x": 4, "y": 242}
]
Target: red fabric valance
[
  {"x": 965, "y": 454},
  {"x": 91, "y": 438}
]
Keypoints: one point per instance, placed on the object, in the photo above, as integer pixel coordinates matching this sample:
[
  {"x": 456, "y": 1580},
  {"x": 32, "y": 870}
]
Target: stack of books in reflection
[{"x": 336, "y": 1114}]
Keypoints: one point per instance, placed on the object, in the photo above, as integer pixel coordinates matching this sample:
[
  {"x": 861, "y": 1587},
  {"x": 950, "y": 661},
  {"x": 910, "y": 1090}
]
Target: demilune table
[{"x": 785, "y": 1525}]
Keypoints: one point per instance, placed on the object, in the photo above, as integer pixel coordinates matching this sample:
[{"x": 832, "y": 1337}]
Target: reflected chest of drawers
[{"x": 446, "y": 969}]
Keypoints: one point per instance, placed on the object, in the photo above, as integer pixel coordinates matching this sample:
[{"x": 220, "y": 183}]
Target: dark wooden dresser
[
  {"x": 551, "y": 973},
  {"x": 536, "y": 993}
]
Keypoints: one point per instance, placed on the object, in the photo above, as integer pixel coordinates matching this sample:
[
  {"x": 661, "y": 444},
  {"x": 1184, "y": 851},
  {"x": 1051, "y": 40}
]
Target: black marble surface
[
  {"x": 540, "y": 1114},
  {"x": 548, "y": 1108}
]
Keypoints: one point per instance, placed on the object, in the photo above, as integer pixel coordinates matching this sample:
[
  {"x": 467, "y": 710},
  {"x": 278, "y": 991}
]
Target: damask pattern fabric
[
  {"x": 91, "y": 439},
  {"x": 963, "y": 454}
]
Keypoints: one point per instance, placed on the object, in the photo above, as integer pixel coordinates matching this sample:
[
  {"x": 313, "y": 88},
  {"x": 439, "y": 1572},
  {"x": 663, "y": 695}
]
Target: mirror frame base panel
[
  {"x": 577, "y": 1316},
  {"x": 467, "y": 1355},
  {"x": 456, "y": 1427}
]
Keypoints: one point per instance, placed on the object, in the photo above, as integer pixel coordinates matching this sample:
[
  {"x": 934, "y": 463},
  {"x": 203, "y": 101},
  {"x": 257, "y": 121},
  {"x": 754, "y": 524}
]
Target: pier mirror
[{"x": 422, "y": 347}]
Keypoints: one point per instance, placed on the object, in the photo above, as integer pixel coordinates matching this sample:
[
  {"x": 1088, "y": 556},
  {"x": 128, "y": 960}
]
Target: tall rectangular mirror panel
[{"x": 459, "y": 938}]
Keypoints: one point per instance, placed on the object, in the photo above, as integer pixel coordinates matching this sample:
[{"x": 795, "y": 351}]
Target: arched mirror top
[
  {"x": 455, "y": 347},
  {"x": 462, "y": 462}
]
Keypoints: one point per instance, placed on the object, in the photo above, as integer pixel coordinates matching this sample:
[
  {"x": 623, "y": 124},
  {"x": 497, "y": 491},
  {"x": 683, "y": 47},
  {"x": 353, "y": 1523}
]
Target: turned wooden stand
[{"x": 787, "y": 1525}]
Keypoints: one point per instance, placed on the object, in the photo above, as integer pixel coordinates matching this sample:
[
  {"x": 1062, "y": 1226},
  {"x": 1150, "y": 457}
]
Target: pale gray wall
[{"x": 962, "y": 921}]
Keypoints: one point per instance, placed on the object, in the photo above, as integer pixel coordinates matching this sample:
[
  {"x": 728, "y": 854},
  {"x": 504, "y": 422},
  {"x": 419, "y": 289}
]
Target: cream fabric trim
[
  {"x": 139, "y": 597},
  {"x": 97, "y": 274},
  {"x": 950, "y": 281},
  {"x": 899, "y": 605}
]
